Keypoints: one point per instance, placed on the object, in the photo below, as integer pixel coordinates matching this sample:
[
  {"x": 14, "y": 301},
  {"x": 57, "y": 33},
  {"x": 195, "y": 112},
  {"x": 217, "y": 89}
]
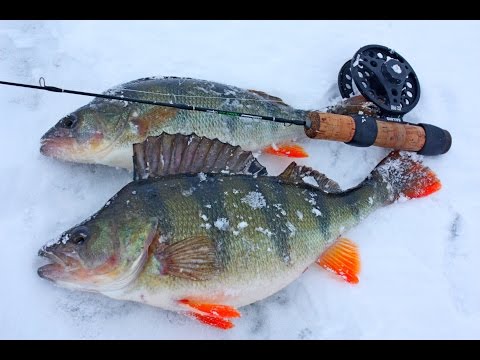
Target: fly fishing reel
[
  {"x": 383, "y": 77},
  {"x": 378, "y": 87}
]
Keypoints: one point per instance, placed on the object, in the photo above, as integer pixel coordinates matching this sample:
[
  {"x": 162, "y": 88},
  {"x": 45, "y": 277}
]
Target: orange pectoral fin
[
  {"x": 289, "y": 150},
  {"x": 343, "y": 259},
  {"x": 212, "y": 314}
]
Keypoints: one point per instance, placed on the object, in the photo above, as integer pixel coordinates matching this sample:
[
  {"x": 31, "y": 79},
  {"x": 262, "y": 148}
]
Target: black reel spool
[{"x": 383, "y": 77}]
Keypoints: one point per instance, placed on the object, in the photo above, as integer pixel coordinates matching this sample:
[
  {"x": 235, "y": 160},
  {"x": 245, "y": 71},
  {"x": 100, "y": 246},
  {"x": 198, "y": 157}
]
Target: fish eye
[
  {"x": 79, "y": 235},
  {"x": 69, "y": 122}
]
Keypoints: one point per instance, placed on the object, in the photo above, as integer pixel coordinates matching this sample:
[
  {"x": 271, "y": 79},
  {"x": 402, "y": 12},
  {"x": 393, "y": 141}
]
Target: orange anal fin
[
  {"x": 289, "y": 150},
  {"x": 342, "y": 258},
  {"x": 214, "y": 321},
  {"x": 223, "y": 311}
]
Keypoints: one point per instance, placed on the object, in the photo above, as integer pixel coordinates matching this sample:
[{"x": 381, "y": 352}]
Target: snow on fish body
[
  {"x": 104, "y": 130},
  {"x": 206, "y": 243}
]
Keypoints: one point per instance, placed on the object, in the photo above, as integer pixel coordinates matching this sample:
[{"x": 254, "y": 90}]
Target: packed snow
[
  {"x": 419, "y": 257},
  {"x": 242, "y": 225},
  {"x": 222, "y": 224},
  {"x": 254, "y": 199}
]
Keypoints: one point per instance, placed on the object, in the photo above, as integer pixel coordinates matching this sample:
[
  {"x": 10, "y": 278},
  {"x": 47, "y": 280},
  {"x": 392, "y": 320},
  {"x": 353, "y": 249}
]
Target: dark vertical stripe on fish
[
  {"x": 352, "y": 200},
  {"x": 212, "y": 206},
  {"x": 232, "y": 124},
  {"x": 276, "y": 198},
  {"x": 322, "y": 204},
  {"x": 158, "y": 206}
]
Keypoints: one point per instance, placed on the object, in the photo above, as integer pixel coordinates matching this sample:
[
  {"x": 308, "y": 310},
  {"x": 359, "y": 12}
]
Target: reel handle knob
[{"x": 363, "y": 131}]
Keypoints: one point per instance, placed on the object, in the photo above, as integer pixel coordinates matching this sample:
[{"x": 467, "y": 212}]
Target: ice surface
[{"x": 419, "y": 257}]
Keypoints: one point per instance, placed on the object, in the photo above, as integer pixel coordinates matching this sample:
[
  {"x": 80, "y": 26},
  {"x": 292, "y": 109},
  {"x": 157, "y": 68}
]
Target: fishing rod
[
  {"x": 158, "y": 103},
  {"x": 376, "y": 74}
]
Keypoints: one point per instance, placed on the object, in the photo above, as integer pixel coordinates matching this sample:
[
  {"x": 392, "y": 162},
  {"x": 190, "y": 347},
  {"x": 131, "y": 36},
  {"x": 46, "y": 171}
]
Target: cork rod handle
[{"x": 360, "y": 130}]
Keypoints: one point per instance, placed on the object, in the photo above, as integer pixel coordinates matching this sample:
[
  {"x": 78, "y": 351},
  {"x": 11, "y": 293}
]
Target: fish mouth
[
  {"x": 60, "y": 267},
  {"x": 57, "y": 147},
  {"x": 67, "y": 147}
]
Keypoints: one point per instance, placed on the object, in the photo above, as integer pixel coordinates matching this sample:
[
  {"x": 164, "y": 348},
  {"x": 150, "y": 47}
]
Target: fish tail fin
[{"x": 401, "y": 174}]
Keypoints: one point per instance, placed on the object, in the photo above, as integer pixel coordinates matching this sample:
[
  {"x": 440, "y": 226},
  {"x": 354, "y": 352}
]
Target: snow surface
[
  {"x": 420, "y": 257},
  {"x": 254, "y": 199}
]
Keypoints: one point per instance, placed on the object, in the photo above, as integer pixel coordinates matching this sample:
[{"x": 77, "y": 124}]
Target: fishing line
[{"x": 199, "y": 96}]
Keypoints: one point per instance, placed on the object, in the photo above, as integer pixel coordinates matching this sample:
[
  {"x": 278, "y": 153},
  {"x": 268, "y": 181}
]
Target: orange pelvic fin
[
  {"x": 212, "y": 314},
  {"x": 288, "y": 150},
  {"x": 214, "y": 321},
  {"x": 343, "y": 259}
]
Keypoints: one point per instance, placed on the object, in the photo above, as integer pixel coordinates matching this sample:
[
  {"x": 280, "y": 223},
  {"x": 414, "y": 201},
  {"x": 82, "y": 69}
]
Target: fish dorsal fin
[
  {"x": 268, "y": 97},
  {"x": 176, "y": 154},
  {"x": 296, "y": 173}
]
